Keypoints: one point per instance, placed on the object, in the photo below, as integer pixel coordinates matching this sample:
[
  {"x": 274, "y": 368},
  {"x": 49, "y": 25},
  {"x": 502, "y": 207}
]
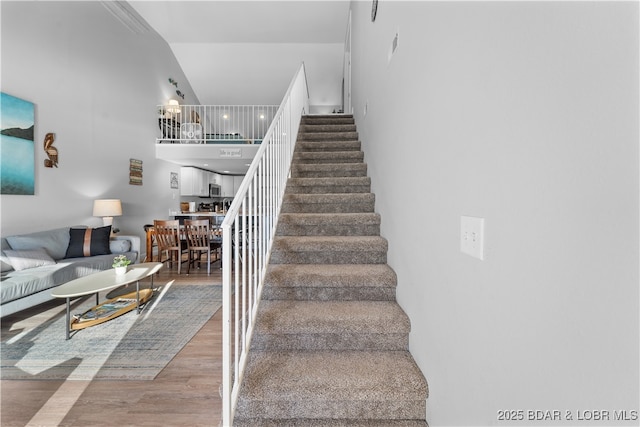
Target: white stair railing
[{"x": 247, "y": 233}]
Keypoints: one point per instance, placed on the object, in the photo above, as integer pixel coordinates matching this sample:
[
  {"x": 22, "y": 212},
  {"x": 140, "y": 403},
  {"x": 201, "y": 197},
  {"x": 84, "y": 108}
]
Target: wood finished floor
[{"x": 185, "y": 393}]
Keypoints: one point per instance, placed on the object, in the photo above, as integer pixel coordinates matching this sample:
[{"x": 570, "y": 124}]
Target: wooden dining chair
[
  {"x": 167, "y": 235},
  {"x": 150, "y": 242},
  {"x": 199, "y": 242}
]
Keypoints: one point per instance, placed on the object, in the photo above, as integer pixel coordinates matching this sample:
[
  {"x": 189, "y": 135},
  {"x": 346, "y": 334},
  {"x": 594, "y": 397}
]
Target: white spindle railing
[
  {"x": 198, "y": 124},
  {"x": 247, "y": 234}
]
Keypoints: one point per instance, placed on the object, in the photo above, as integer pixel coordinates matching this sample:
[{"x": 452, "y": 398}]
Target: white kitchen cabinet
[
  {"x": 216, "y": 178},
  {"x": 202, "y": 183},
  {"x": 237, "y": 180},
  {"x": 194, "y": 182},
  {"x": 227, "y": 186},
  {"x": 186, "y": 181}
]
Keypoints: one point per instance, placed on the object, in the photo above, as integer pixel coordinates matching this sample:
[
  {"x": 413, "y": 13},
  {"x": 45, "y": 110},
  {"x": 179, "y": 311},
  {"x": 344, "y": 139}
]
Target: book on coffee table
[
  {"x": 104, "y": 310},
  {"x": 110, "y": 309}
]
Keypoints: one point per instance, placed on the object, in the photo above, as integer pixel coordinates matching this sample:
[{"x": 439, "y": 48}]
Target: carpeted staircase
[{"x": 330, "y": 346}]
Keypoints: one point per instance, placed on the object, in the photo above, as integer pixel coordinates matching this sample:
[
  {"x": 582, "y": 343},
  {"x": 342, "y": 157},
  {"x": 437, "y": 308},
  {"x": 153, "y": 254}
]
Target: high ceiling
[
  {"x": 239, "y": 21},
  {"x": 246, "y": 52}
]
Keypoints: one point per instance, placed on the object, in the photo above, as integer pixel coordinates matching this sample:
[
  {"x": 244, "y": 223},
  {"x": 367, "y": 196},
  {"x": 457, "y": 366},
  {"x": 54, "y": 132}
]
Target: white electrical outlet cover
[{"x": 472, "y": 236}]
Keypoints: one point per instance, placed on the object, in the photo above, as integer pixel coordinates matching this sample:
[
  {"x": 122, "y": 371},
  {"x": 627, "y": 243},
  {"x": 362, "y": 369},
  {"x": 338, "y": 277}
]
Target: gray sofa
[{"x": 32, "y": 264}]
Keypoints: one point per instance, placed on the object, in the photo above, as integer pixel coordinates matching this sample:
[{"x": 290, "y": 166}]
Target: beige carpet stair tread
[
  {"x": 328, "y": 157},
  {"x": 343, "y": 384},
  {"x": 310, "y": 170},
  {"x": 324, "y": 181},
  {"x": 331, "y": 136},
  {"x": 337, "y": 224},
  {"x": 341, "y": 219},
  {"x": 330, "y": 423},
  {"x": 329, "y": 250},
  {"x": 306, "y": 146},
  {"x": 331, "y": 325},
  {"x": 328, "y": 203},
  {"x": 328, "y": 127},
  {"x": 330, "y": 282},
  {"x": 328, "y": 119},
  {"x": 330, "y": 275},
  {"x": 333, "y": 243},
  {"x": 298, "y": 317}
]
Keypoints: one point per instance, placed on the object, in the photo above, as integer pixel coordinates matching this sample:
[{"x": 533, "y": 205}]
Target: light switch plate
[{"x": 472, "y": 236}]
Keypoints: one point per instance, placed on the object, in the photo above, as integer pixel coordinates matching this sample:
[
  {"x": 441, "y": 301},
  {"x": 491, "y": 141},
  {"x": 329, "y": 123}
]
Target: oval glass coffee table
[{"x": 104, "y": 281}]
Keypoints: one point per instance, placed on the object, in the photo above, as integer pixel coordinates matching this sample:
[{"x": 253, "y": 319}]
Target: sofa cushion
[
  {"x": 20, "y": 284},
  {"x": 119, "y": 246},
  {"x": 25, "y": 259},
  {"x": 84, "y": 242},
  {"x": 54, "y": 241},
  {"x": 5, "y": 264}
]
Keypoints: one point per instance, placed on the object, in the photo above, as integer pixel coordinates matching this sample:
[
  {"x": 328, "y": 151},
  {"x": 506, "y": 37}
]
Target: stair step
[
  {"x": 333, "y": 185},
  {"x": 318, "y": 170},
  {"x": 327, "y": 127},
  {"x": 328, "y": 157},
  {"x": 328, "y": 119},
  {"x": 382, "y": 385},
  {"x": 329, "y": 250},
  {"x": 330, "y": 146},
  {"x": 330, "y": 275},
  {"x": 329, "y": 423},
  {"x": 329, "y": 203},
  {"x": 319, "y": 224},
  {"x": 331, "y": 325},
  {"x": 326, "y": 282},
  {"x": 328, "y": 136}
]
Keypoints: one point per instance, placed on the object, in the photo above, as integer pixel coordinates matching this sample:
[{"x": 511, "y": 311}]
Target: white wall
[
  {"x": 260, "y": 73},
  {"x": 525, "y": 114},
  {"x": 95, "y": 84},
  {"x": 247, "y": 52}
]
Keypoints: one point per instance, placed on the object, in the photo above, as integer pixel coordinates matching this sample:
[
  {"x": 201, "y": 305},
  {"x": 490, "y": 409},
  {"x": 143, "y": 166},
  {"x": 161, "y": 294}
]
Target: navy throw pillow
[{"x": 85, "y": 242}]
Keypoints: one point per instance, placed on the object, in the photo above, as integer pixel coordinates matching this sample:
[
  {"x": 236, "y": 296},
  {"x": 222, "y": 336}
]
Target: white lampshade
[
  {"x": 173, "y": 106},
  {"x": 107, "y": 209}
]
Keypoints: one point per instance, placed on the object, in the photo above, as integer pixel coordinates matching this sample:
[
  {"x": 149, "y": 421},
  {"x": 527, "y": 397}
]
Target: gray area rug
[{"x": 129, "y": 347}]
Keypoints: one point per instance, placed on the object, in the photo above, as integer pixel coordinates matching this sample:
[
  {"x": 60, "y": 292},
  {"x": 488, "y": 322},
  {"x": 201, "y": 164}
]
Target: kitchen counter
[
  {"x": 215, "y": 218},
  {"x": 201, "y": 213}
]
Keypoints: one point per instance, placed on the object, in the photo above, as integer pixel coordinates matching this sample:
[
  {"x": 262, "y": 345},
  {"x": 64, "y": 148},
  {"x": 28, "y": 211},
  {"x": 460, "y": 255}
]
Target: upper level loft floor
[{"x": 220, "y": 138}]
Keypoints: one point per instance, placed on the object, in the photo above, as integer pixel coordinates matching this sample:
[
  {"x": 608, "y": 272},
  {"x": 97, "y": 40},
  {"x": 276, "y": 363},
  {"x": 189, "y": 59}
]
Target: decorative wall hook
[{"x": 52, "y": 152}]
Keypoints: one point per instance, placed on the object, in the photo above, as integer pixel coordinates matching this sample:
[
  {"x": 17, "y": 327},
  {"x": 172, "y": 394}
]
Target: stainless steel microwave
[{"x": 214, "y": 190}]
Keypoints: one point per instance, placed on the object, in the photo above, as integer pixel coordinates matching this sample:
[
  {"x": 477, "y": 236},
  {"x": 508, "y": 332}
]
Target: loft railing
[
  {"x": 211, "y": 124},
  {"x": 247, "y": 234}
]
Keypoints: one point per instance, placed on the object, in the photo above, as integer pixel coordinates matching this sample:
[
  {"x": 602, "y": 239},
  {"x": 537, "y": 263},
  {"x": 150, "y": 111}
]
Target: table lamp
[
  {"x": 107, "y": 209},
  {"x": 173, "y": 107}
]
